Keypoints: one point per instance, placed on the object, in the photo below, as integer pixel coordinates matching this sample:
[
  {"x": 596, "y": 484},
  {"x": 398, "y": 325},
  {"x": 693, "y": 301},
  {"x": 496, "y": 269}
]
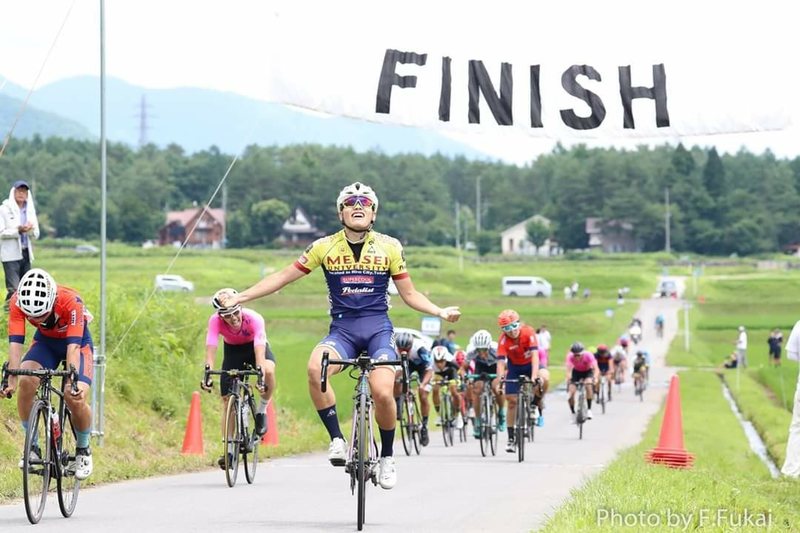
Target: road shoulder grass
[{"x": 728, "y": 488}]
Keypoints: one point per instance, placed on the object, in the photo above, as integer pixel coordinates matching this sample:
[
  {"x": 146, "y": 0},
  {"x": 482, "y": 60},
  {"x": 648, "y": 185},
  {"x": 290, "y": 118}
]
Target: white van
[{"x": 526, "y": 286}]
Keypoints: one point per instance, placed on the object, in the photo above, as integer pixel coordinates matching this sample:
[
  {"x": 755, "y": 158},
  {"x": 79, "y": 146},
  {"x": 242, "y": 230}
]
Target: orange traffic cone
[
  {"x": 670, "y": 450},
  {"x": 271, "y": 436},
  {"x": 193, "y": 440}
]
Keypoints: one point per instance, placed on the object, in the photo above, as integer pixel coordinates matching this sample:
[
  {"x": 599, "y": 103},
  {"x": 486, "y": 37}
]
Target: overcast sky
[{"x": 227, "y": 45}]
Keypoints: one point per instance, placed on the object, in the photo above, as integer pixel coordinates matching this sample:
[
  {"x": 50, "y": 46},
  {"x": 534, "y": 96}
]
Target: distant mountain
[
  {"x": 35, "y": 121},
  {"x": 199, "y": 118}
]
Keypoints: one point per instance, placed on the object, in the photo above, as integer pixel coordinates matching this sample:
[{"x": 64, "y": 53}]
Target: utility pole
[
  {"x": 478, "y": 204},
  {"x": 667, "y": 246},
  {"x": 143, "y": 127},
  {"x": 99, "y": 380}
]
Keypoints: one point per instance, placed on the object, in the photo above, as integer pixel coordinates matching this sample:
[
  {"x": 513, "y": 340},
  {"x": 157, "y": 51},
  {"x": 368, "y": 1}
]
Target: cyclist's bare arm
[
  {"x": 426, "y": 378},
  {"x": 74, "y": 358},
  {"x": 268, "y": 285},
  {"x": 14, "y": 354},
  {"x": 261, "y": 359},
  {"x": 211, "y": 355},
  {"x": 419, "y": 302},
  {"x": 534, "y": 363}
]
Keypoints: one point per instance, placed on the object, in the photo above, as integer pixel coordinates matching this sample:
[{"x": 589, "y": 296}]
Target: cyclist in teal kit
[{"x": 358, "y": 263}]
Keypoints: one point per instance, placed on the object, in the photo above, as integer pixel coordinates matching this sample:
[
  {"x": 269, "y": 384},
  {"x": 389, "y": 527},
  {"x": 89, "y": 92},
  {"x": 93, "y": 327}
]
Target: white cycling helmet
[
  {"x": 481, "y": 340},
  {"x": 356, "y": 189},
  {"x": 440, "y": 353},
  {"x": 216, "y": 301},
  {"x": 36, "y": 293}
]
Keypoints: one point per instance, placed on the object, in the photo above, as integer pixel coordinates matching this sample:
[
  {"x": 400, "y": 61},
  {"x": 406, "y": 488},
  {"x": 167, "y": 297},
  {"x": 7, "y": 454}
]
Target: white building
[{"x": 514, "y": 240}]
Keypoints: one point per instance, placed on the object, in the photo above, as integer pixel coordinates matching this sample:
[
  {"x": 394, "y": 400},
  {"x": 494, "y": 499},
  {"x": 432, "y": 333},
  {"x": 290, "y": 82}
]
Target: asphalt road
[{"x": 443, "y": 489}]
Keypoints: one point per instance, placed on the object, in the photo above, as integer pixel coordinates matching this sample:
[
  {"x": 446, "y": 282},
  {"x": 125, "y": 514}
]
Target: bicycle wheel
[
  {"x": 451, "y": 421},
  {"x": 416, "y": 424},
  {"x": 66, "y": 445},
  {"x": 250, "y": 444},
  {"x": 361, "y": 463},
  {"x": 493, "y": 433},
  {"x": 485, "y": 433},
  {"x": 36, "y": 461},
  {"x": 231, "y": 441},
  {"x": 406, "y": 430},
  {"x": 531, "y": 421},
  {"x": 522, "y": 417},
  {"x": 448, "y": 441},
  {"x": 581, "y": 413},
  {"x": 602, "y": 398}
]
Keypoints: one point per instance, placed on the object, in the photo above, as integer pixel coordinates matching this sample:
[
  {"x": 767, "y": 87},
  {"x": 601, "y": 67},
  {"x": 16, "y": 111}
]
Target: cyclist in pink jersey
[
  {"x": 244, "y": 342},
  {"x": 582, "y": 369}
]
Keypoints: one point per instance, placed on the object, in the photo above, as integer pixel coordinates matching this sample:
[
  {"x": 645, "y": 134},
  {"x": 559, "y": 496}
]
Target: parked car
[
  {"x": 526, "y": 286},
  {"x": 173, "y": 282},
  {"x": 86, "y": 249},
  {"x": 668, "y": 289}
]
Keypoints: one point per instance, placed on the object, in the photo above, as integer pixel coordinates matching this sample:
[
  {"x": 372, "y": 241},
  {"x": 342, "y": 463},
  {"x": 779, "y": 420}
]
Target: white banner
[{"x": 553, "y": 69}]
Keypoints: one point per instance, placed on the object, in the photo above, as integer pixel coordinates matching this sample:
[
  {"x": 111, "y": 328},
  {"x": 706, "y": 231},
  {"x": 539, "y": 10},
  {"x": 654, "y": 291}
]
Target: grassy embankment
[
  {"x": 727, "y": 474},
  {"x": 154, "y": 367}
]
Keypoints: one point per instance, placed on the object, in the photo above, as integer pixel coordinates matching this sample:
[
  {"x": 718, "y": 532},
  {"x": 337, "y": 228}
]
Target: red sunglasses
[{"x": 363, "y": 201}]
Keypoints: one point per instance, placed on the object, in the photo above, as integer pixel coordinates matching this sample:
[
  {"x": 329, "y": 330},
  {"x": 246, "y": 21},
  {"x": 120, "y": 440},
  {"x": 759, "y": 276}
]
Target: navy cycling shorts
[
  {"x": 49, "y": 353},
  {"x": 514, "y": 372},
  {"x": 350, "y": 336}
]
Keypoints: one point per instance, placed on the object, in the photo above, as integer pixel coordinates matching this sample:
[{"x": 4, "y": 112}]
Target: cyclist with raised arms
[
  {"x": 582, "y": 370},
  {"x": 517, "y": 355},
  {"x": 245, "y": 343},
  {"x": 605, "y": 363},
  {"x": 482, "y": 354},
  {"x": 358, "y": 263},
  {"x": 445, "y": 368},
  {"x": 62, "y": 333},
  {"x": 419, "y": 361}
]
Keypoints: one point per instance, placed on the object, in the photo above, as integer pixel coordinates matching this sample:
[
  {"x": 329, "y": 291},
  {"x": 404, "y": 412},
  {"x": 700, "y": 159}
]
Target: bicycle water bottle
[{"x": 56, "y": 423}]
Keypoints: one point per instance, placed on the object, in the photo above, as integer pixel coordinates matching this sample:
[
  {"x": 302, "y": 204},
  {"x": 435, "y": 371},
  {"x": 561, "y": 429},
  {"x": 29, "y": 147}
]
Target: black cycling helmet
[
  {"x": 576, "y": 348},
  {"x": 404, "y": 340},
  {"x": 640, "y": 353}
]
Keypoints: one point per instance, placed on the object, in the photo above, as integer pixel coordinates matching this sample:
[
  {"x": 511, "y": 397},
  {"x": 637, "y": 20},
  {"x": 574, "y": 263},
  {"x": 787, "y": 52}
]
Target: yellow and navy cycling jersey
[{"x": 356, "y": 288}]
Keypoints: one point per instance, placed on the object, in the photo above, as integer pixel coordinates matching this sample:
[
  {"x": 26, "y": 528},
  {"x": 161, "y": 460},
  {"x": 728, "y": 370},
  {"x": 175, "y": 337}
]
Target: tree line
[{"x": 742, "y": 203}]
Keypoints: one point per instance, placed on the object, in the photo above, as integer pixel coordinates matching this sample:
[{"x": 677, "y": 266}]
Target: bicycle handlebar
[
  {"x": 364, "y": 363},
  {"x": 482, "y": 375},
  {"x": 233, "y": 373},
  {"x": 72, "y": 374}
]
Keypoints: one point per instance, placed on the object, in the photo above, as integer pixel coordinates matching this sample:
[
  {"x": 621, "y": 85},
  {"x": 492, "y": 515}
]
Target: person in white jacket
[
  {"x": 18, "y": 227},
  {"x": 791, "y": 466}
]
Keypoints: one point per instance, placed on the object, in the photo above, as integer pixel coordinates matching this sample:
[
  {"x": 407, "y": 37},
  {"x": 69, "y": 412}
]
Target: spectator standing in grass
[
  {"x": 741, "y": 347},
  {"x": 791, "y": 467},
  {"x": 775, "y": 340},
  {"x": 18, "y": 227}
]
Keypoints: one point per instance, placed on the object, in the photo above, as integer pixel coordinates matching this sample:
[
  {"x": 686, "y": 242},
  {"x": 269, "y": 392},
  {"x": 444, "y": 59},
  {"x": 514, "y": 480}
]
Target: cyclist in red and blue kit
[
  {"x": 358, "y": 263},
  {"x": 61, "y": 321}
]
